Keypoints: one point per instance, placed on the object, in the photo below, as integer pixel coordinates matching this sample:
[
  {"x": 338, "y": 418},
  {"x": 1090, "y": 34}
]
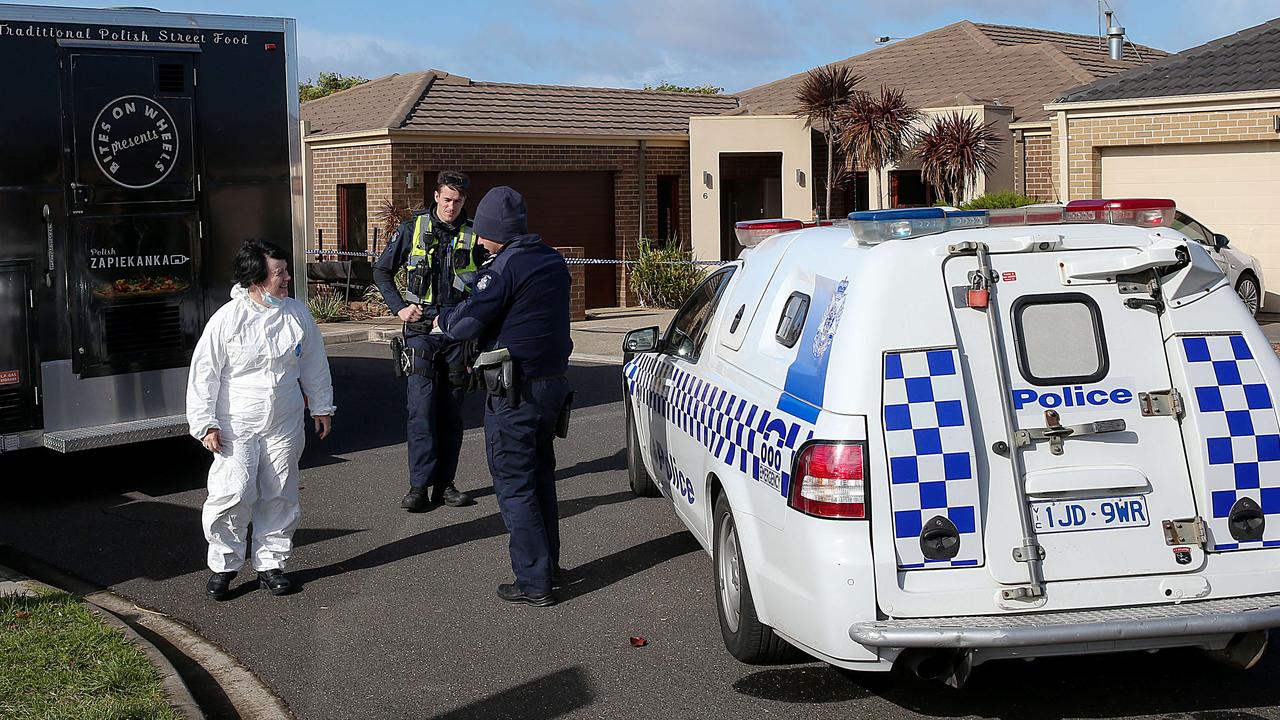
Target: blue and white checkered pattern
[
  {"x": 729, "y": 426},
  {"x": 931, "y": 459},
  {"x": 1234, "y": 412}
]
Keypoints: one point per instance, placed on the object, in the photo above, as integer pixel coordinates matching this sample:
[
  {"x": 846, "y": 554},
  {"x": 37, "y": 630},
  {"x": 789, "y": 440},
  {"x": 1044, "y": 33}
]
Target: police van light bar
[
  {"x": 828, "y": 480},
  {"x": 752, "y": 232},
  {"x": 872, "y": 227},
  {"x": 1131, "y": 211},
  {"x": 1026, "y": 216}
]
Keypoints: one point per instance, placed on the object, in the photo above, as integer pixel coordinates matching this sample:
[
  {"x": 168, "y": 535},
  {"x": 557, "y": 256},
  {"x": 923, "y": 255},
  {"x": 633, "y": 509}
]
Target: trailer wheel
[
  {"x": 641, "y": 483},
  {"x": 745, "y": 637}
]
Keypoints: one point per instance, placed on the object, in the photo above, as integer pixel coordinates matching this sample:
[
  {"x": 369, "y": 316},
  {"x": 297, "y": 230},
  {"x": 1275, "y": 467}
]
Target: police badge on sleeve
[{"x": 483, "y": 282}]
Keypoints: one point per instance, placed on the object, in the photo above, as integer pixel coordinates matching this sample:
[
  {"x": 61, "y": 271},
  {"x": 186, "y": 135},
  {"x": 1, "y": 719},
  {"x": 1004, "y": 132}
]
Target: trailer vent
[
  {"x": 11, "y": 409},
  {"x": 173, "y": 78},
  {"x": 134, "y": 330}
]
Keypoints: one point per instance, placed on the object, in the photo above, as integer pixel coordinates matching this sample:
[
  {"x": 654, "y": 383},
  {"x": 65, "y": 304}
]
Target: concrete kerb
[
  {"x": 229, "y": 688},
  {"x": 175, "y": 688}
]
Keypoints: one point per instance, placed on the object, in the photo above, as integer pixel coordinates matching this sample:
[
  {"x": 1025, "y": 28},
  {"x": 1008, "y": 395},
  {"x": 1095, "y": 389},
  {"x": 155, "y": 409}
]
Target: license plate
[{"x": 1094, "y": 514}]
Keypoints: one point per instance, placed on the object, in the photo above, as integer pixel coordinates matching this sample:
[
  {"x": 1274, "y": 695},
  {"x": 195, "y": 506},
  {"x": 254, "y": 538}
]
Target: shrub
[
  {"x": 663, "y": 276},
  {"x": 326, "y": 305},
  {"x": 998, "y": 200},
  {"x": 374, "y": 304}
]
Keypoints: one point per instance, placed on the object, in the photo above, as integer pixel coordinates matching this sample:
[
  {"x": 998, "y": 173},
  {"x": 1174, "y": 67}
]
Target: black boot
[
  {"x": 219, "y": 586},
  {"x": 416, "y": 500},
  {"x": 275, "y": 581},
  {"x": 451, "y": 496}
]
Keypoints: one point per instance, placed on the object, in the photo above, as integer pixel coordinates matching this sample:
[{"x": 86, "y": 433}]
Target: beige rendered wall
[{"x": 711, "y": 136}]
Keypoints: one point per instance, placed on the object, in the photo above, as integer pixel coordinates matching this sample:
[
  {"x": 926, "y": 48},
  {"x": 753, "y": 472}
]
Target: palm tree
[
  {"x": 822, "y": 93},
  {"x": 954, "y": 151},
  {"x": 877, "y": 128}
]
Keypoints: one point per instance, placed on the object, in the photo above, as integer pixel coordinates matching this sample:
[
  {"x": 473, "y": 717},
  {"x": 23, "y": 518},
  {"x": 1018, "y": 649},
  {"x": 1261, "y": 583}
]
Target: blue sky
[{"x": 735, "y": 44}]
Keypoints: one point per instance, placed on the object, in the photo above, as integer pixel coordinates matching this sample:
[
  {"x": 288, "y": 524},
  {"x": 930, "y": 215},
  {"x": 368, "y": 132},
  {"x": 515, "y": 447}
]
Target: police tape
[{"x": 568, "y": 260}]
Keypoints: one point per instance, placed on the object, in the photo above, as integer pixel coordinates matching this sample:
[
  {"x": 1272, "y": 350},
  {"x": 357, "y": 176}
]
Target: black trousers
[
  {"x": 435, "y": 417},
  {"x": 522, "y": 460}
]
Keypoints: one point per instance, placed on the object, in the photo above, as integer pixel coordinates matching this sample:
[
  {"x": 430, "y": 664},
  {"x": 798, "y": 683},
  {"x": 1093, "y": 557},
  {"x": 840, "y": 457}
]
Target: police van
[{"x": 942, "y": 437}]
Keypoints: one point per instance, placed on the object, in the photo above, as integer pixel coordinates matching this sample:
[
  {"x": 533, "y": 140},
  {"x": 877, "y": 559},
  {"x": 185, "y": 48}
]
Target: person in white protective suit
[{"x": 259, "y": 355}]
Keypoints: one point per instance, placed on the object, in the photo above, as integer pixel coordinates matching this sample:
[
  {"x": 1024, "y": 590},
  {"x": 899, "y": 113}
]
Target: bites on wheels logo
[{"x": 134, "y": 141}]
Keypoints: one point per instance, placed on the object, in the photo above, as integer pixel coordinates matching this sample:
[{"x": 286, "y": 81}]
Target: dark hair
[
  {"x": 251, "y": 262},
  {"x": 454, "y": 179}
]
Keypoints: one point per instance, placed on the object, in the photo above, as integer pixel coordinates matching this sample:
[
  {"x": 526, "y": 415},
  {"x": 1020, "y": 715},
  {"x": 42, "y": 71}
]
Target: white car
[
  {"x": 941, "y": 438},
  {"x": 1241, "y": 268}
]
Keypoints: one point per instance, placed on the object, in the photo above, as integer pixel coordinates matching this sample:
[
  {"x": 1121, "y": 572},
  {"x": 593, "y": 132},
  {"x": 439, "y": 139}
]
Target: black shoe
[
  {"x": 451, "y": 496},
  {"x": 219, "y": 586},
  {"x": 513, "y": 594},
  {"x": 275, "y": 581},
  {"x": 416, "y": 500}
]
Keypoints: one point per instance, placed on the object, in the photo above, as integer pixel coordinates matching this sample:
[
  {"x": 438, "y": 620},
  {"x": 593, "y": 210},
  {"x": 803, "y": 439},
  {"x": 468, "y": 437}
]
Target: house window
[
  {"x": 352, "y": 219},
  {"x": 908, "y": 189}
]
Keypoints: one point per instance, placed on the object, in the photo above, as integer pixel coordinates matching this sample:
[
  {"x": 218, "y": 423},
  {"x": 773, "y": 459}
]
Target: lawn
[{"x": 59, "y": 661}]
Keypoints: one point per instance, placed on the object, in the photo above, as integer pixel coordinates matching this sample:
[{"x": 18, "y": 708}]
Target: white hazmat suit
[{"x": 244, "y": 381}]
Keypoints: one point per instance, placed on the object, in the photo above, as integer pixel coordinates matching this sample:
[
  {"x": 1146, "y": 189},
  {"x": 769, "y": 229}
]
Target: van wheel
[
  {"x": 1250, "y": 294},
  {"x": 745, "y": 637},
  {"x": 641, "y": 483}
]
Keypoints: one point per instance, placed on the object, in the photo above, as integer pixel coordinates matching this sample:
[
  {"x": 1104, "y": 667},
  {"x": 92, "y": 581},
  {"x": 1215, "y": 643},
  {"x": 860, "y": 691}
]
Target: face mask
[{"x": 270, "y": 300}]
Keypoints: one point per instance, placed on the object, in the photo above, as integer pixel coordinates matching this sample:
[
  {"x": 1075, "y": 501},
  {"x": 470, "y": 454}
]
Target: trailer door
[
  {"x": 18, "y": 382},
  {"x": 131, "y": 166}
]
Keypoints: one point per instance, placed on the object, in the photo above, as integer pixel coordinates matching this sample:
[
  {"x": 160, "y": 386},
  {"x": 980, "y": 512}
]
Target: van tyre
[
  {"x": 641, "y": 483},
  {"x": 1249, "y": 292},
  {"x": 745, "y": 637}
]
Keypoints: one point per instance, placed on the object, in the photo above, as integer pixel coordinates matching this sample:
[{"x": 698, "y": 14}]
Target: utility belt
[
  {"x": 501, "y": 378},
  {"x": 408, "y": 361}
]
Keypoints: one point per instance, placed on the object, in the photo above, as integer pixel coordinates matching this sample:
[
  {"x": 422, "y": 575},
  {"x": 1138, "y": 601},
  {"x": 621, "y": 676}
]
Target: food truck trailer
[{"x": 138, "y": 150}]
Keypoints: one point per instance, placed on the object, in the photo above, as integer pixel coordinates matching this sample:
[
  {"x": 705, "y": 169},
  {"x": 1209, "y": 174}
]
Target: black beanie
[{"x": 500, "y": 215}]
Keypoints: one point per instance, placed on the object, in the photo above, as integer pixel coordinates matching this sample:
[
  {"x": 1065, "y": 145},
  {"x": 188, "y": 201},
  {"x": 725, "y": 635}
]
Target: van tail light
[
  {"x": 1130, "y": 211},
  {"x": 829, "y": 480}
]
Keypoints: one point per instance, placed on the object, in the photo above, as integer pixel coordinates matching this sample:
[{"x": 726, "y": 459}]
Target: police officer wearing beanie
[
  {"x": 521, "y": 303},
  {"x": 439, "y": 248}
]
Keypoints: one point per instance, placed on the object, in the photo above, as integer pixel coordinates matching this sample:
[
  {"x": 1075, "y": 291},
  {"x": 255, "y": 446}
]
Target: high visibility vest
[{"x": 424, "y": 257}]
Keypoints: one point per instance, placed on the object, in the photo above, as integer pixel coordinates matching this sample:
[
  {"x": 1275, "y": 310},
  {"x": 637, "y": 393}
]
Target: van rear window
[{"x": 1059, "y": 339}]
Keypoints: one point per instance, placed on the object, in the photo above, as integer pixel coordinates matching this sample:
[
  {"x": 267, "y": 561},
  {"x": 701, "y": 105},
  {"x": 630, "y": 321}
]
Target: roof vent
[{"x": 1115, "y": 38}]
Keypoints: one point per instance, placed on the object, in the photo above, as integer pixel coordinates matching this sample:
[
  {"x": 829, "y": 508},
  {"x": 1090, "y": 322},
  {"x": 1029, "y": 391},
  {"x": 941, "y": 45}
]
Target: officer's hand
[
  {"x": 435, "y": 324},
  {"x": 212, "y": 441},
  {"x": 410, "y": 313},
  {"x": 324, "y": 423}
]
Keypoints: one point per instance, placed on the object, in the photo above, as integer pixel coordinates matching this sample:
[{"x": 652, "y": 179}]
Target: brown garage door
[{"x": 566, "y": 209}]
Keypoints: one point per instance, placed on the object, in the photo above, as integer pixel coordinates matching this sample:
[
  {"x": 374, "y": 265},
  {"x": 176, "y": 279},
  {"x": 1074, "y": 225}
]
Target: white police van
[{"x": 940, "y": 438}]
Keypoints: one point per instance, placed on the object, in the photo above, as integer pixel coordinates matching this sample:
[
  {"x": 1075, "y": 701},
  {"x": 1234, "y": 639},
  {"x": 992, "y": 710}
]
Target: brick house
[
  {"x": 759, "y": 160},
  {"x": 1201, "y": 127},
  {"x": 599, "y": 168}
]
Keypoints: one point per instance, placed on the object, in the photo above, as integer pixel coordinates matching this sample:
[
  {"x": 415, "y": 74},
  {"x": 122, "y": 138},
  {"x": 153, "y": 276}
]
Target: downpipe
[{"x": 951, "y": 667}]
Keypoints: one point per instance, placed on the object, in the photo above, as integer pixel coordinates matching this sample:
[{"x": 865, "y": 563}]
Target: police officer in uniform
[
  {"x": 521, "y": 305},
  {"x": 438, "y": 246}
]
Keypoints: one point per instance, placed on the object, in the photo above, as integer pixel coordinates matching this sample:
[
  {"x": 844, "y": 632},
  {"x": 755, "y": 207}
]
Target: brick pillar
[{"x": 578, "y": 288}]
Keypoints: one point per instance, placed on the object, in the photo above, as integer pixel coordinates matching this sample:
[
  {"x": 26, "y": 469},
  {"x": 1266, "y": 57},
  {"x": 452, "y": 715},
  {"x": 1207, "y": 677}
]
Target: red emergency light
[
  {"x": 1143, "y": 212},
  {"x": 752, "y": 232}
]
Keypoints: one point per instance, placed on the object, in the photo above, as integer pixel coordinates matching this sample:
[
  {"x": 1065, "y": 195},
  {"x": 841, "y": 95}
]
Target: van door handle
[{"x": 1056, "y": 432}]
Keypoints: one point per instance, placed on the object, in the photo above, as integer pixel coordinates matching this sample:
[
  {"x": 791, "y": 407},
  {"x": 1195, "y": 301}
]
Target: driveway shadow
[{"x": 603, "y": 572}]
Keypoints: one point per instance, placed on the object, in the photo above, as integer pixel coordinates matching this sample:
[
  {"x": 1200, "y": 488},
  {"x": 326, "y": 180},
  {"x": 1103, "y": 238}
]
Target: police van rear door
[{"x": 1080, "y": 352}]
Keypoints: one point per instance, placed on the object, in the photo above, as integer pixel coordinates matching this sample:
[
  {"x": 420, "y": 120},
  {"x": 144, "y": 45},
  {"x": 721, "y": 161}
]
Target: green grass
[{"x": 59, "y": 661}]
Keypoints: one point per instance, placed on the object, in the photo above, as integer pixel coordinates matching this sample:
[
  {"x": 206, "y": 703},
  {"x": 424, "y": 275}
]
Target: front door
[
  {"x": 1077, "y": 353},
  {"x": 131, "y": 164}
]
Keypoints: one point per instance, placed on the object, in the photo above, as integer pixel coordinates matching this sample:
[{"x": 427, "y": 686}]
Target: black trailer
[{"x": 138, "y": 149}]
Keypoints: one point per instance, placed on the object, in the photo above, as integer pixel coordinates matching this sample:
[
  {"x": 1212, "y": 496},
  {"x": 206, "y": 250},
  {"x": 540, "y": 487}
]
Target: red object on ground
[{"x": 638, "y": 641}]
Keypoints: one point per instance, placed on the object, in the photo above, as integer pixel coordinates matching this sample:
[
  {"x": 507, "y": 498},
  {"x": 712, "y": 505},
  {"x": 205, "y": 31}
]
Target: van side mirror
[
  {"x": 642, "y": 340},
  {"x": 1219, "y": 241}
]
